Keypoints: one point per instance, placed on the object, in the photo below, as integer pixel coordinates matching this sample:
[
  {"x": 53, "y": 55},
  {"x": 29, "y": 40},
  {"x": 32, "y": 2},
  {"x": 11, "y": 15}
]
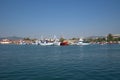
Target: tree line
[{"x": 109, "y": 38}]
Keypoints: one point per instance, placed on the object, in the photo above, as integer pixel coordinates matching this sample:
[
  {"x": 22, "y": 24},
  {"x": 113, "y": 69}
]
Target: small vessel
[
  {"x": 22, "y": 42},
  {"x": 56, "y": 41},
  {"x": 63, "y": 43},
  {"x": 81, "y": 42},
  {"x": 46, "y": 43}
]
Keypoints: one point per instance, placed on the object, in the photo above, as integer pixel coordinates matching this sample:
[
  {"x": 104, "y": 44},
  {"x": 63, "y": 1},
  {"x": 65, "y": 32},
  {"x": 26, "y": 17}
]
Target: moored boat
[
  {"x": 81, "y": 42},
  {"x": 63, "y": 43},
  {"x": 46, "y": 43}
]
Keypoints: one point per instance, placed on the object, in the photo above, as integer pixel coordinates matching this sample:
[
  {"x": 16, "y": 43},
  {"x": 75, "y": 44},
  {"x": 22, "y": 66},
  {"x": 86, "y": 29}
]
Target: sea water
[{"x": 34, "y": 62}]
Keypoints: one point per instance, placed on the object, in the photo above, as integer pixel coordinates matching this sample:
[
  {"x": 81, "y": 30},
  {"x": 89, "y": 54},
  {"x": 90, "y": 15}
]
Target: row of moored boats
[{"x": 55, "y": 43}]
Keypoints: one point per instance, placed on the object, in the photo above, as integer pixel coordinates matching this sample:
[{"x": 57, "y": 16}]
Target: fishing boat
[
  {"x": 64, "y": 43},
  {"x": 56, "y": 41},
  {"x": 82, "y": 42},
  {"x": 46, "y": 43}
]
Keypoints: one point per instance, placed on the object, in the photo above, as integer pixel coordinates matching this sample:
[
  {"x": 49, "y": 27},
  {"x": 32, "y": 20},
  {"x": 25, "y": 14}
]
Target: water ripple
[{"x": 94, "y": 62}]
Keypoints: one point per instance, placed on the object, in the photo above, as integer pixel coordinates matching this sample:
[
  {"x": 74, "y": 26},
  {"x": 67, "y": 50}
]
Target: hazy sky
[{"x": 67, "y": 18}]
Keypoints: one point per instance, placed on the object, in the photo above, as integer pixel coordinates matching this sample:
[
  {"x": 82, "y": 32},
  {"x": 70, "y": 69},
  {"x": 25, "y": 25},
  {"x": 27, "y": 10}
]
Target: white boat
[
  {"x": 37, "y": 42},
  {"x": 81, "y": 42},
  {"x": 45, "y": 43},
  {"x": 22, "y": 42},
  {"x": 56, "y": 41}
]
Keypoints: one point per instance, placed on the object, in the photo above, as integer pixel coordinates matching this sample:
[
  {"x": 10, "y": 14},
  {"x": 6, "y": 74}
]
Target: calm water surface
[{"x": 31, "y": 62}]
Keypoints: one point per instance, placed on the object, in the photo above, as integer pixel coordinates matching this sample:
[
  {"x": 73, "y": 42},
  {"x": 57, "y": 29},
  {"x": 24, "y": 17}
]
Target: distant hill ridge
[{"x": 11, "y": 38}]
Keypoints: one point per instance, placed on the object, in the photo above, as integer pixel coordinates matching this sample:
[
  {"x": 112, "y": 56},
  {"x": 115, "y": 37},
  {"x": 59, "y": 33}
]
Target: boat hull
[
  {"x": 46, "y": 44},
  {"x": 83, "y": 44}
]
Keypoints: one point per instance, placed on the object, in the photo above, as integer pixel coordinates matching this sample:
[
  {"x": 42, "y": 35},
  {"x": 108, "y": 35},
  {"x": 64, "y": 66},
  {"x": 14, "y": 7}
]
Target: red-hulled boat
[{"x": 63, "y": 43}]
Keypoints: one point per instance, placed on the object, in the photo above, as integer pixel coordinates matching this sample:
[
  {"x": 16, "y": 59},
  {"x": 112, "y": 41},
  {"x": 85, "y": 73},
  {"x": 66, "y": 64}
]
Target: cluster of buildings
[{"x": 8, "y": 41}]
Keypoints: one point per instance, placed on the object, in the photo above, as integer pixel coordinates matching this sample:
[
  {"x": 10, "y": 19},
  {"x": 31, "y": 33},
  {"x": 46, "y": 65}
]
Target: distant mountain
[{"x": 11, "y": 38}]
